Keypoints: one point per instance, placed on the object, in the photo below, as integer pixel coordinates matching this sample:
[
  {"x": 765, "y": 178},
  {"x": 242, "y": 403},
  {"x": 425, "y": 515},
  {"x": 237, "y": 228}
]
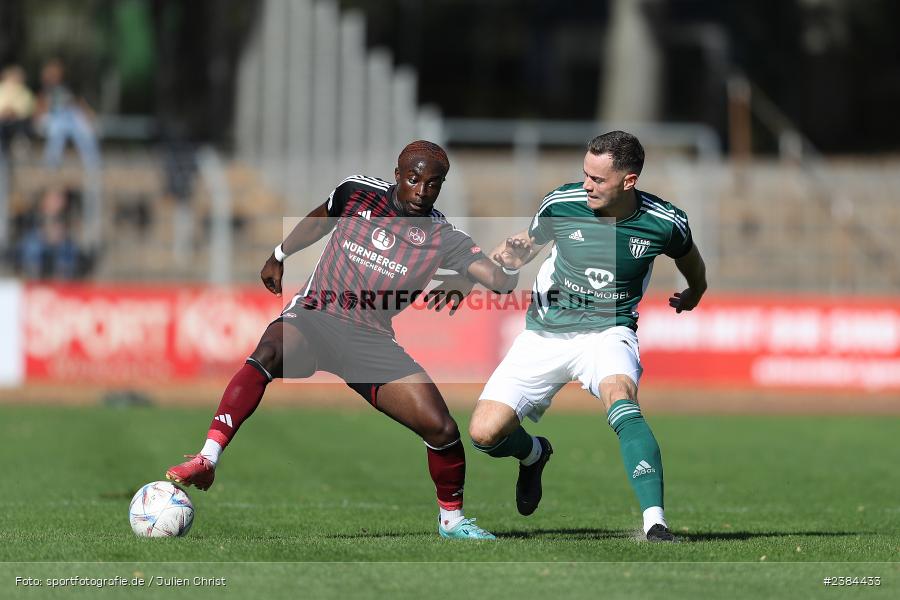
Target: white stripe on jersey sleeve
[
  {"x": 376, "y": 181},
  {"x": 578, "y": 193},
  {"x": 666, "y": 217},
  {"x": 369, "y": 181},
  {"x": 663, "y": 209},
  {"x": 534, "y": 222}
]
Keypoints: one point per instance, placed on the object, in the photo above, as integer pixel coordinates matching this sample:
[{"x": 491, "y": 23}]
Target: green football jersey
[{"x": 598, "y": 268}]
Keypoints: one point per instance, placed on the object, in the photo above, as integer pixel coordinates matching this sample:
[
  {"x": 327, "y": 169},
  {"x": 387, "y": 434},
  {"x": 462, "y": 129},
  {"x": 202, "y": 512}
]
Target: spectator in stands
[
  {"x": 47, "y": 248},
  {"x": 179, "y": 161},
  {"x": 63, "y": 116},
  {"x": 16, "y": 107},
  {"x": 180, "y": 170}
]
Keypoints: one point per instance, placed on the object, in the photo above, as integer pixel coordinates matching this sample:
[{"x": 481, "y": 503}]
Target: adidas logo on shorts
[{"x": 642, "y": 469}]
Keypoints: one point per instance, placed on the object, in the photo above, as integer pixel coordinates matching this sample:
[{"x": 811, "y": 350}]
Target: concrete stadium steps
[
  {"x": 763, "y": 226},
  {"x": 258, "y": 227},
  {"x": 789, "y": 229},
  {"x": 135, "y": 186}
]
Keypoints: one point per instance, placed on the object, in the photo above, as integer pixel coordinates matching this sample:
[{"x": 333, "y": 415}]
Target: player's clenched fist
[
  {"x": 686, "y": 300},
  {"x": 271, "y": 275}
]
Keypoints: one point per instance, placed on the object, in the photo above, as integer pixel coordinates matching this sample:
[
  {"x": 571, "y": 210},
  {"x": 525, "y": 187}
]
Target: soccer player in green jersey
[{"x": 582, "y": 321}]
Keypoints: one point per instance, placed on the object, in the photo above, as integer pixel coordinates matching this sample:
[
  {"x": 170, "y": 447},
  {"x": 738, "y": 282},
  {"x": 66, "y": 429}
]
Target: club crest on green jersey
[{"x": 638, "y": 246}]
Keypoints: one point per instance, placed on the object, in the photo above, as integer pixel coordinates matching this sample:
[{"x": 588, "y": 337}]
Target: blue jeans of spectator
[
  {"x": 63, "y": 125},
  {"x": 35, "y": 254}
]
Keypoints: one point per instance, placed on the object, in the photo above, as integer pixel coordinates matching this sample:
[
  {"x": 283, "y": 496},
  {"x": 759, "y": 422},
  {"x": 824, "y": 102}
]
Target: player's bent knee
[
  {"x": 618, "y": 387},
  {"x": 284, "y": 352},
  {"x": 619, "y": 392},
  {"x": 439, "y": 432},
  {"x": 484, "y": 436},
  {"x": 269, "y": 355},
  {"x": 491, "y": 423}
]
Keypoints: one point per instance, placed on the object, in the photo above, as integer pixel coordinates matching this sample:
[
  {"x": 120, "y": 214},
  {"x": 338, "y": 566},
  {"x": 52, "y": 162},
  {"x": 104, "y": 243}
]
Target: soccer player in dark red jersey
[{"x": 387, "y": 244}]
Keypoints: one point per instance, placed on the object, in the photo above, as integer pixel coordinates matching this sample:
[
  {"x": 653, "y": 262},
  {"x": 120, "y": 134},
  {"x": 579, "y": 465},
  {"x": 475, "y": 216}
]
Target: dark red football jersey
[{"x": 377, "y": 260}]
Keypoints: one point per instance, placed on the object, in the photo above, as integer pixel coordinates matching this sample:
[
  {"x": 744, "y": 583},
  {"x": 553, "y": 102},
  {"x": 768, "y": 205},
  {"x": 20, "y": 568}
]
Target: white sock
[
  {"x": 652, "y": 516},
  {"x": 449, "y": 518},
  {"x": 536, "y": 450},
  {"x": 211, "y": 450}
]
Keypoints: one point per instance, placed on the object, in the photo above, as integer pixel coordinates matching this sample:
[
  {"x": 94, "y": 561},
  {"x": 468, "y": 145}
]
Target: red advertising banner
[
  {"x": 804, "y": 342},
  {"x": 120, "y": 334},
  {"x": 117, "y": 334}
]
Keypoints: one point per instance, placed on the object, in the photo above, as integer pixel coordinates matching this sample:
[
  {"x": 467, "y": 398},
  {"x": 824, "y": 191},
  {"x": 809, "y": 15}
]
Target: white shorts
[{"x": 540, "y": 363}]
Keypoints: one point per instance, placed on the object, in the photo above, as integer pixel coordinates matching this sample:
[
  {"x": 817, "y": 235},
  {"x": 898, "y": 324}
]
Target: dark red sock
[
  {"x": 448, "y": 471},
  {"x": 241, "y": 397}
]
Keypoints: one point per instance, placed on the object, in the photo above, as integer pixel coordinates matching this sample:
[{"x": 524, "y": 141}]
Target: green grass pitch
[{"x": 339, "y": 504}]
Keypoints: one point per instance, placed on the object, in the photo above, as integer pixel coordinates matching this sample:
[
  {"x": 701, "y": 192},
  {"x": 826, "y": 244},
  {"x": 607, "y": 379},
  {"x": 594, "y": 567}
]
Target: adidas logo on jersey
[
  {"x": 226, "y": 418},
  {"x": 642, "y": 469},
  {"x": 576, "y": 235},
  {"x": 365, "y": 214}
]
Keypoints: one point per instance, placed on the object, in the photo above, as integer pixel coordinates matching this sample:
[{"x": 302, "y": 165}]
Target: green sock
[
  {"x": 518, "y": 444},
  {"x": 640, "y": 452}
]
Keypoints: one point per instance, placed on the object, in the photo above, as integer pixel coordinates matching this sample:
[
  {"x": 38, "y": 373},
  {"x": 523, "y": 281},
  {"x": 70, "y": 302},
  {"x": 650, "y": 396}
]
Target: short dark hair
[
  {"x": 425, "y": 149},
  {"x": 627, "y": 152}
]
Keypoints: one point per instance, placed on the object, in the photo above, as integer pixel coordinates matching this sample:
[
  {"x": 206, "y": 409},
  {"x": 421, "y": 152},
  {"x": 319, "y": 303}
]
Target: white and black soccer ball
[{"x": 161, "y": 509}]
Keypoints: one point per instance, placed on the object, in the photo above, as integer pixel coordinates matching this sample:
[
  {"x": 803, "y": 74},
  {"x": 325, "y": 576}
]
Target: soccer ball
[{"x": 160, "y": 509}]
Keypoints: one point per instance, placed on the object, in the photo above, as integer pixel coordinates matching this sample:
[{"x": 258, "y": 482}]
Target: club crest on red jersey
[{"x": 416, "y": 236}]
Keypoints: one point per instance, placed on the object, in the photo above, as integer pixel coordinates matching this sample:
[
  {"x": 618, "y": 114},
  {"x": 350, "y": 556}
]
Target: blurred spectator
[
  {"x": 63, "y": 116},
  {"x": 180, "y": 163},
  {"x": 16, "y": 107},
  {"x": 180, "y": 166},
  {"x": 47, "y": 248}
]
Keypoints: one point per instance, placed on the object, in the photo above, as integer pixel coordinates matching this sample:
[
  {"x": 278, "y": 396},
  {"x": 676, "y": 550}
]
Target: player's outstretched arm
[
  {"x": 312, "y": 228},
  {"x": 526, "y": 240},
  {"x": 694, "y": 270},
  {"x": 501, "y": 273}
]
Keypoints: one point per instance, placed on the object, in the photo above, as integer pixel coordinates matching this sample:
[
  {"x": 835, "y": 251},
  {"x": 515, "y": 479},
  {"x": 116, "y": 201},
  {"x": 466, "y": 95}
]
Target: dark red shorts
[{"x": 365, "y": 359}]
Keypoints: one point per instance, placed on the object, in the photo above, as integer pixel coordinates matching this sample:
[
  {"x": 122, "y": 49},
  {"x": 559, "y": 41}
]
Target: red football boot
[{"x": 198, "y": 472}]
